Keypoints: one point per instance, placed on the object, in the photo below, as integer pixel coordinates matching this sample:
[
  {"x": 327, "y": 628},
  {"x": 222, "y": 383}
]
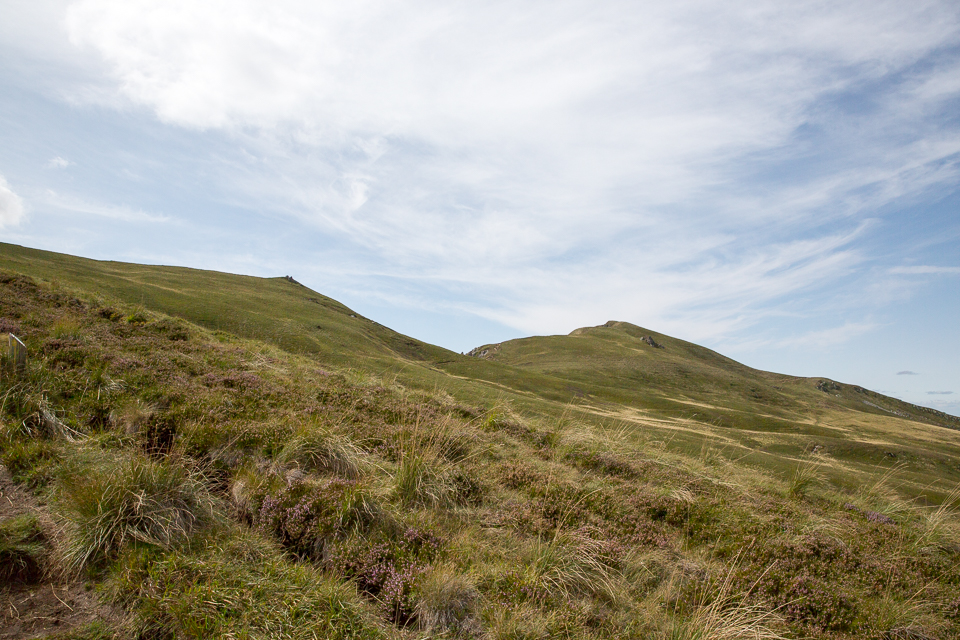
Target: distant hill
[{"x": 622, "y": 362}]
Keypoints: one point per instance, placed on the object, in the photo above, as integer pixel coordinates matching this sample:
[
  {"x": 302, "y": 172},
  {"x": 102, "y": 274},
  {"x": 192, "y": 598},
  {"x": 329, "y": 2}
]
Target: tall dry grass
[
  {"x": 107, "y": 501},
  {"x": 724, "y": 614}
]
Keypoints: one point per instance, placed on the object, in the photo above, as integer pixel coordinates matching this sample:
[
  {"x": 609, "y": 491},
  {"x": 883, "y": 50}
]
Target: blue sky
[{"x": 777, "y": 181}]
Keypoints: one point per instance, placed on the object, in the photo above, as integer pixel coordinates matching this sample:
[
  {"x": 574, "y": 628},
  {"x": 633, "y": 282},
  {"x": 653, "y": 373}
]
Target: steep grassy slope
[
  {"x": 275, "y": 310},
  {"x": 215, "y": 485},
  {"x": 689, "y": 397},
  {"x": 684, "y": 395}
]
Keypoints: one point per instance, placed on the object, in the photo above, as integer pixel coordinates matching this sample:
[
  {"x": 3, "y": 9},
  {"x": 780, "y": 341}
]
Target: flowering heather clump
[
  {"x": 389, "y": 570},
  {"x": 9, "y": 326},
  {"x": 305, "y": 516},
  {"x": 241, "y": 380},
  {"x": 872, "y": 516},
  {"x": 812, "y": 599}
]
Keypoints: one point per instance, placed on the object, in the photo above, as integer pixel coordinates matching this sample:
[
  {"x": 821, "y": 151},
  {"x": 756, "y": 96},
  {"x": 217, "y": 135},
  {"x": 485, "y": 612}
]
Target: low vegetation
[{"x": 210, "y": 485}]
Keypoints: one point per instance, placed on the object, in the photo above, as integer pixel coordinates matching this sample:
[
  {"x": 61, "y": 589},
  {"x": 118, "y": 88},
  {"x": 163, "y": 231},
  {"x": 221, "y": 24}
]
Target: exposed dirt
[
  {"x": 48, "y": 607},
  {"x": 45, "y": 608},
  {"x": 13, "y": 499}
]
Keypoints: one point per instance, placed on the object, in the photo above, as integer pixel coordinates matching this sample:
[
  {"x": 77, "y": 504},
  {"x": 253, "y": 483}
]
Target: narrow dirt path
[{"x": 47, "y": 607}]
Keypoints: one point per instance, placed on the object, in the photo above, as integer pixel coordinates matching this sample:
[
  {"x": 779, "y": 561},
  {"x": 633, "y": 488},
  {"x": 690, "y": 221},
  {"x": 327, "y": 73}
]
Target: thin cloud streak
[
  {"x": 122, "y": 213},
  {"x": 57, "y": 162}
]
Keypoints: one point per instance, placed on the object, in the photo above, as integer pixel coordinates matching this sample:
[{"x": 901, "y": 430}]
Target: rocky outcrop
[
  {"x": 828, "y": 386},
  {"x": 653, "y": 343}
]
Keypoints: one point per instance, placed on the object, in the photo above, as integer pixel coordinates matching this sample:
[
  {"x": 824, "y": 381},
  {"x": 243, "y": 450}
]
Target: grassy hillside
[
  {"x": 204, "y": 474},
  {"x": 698, "y": 398}
]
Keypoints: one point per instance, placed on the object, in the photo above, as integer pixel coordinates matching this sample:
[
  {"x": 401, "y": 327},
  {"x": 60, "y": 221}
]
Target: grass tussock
[
  {"x": 448, "y": 602},
  {"x": 108, "y": 503},
  {"x": 911, "y": 618},
  {"x": 940, "y": 526},
  {"x": 426, "y": 471},
  {"x": 315, "y": 448},
  {"x": 66, "y": 329},
  {"x": 573, "y": 563},
  {"x": 805, "y": 478},
  {"x": 722, "y": 613}
]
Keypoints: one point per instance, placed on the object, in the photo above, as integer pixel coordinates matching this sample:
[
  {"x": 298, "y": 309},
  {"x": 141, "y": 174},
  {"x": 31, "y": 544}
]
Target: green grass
[
  {"x": 253, "y": 479},
  {"x": 239, "y": 586}
]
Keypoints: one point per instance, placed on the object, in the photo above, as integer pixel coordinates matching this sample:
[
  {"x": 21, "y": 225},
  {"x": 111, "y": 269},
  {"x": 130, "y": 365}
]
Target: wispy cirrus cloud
[
  {"x": 77, "y": 205},
  {"x": 724, "y": 172}
]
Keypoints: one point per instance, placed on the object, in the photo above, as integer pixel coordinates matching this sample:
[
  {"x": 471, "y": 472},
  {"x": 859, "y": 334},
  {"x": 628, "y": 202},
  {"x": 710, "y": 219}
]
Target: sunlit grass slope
[
  {"x": 275, "y": 310},
  {"x": 627, "y": 372},
  {"x": 209, "y": 479}
]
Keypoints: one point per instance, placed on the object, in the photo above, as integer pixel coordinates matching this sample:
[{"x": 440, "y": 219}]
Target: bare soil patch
[{"x": 47, "y": 607}]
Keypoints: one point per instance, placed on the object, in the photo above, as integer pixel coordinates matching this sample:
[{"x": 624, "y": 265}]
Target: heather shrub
[
  {"x": 305, "y": 516},
  {"x": 388, "y": 568},
  {"x": 813, "y": 579}
]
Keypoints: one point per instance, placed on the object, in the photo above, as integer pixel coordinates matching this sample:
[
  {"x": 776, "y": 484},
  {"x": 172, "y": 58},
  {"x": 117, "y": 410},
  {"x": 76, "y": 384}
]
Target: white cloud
[
  {"x": 11, "y": 206},
  {"x": 58, "y": 162},
  {"x": 925, "y": 270}
]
